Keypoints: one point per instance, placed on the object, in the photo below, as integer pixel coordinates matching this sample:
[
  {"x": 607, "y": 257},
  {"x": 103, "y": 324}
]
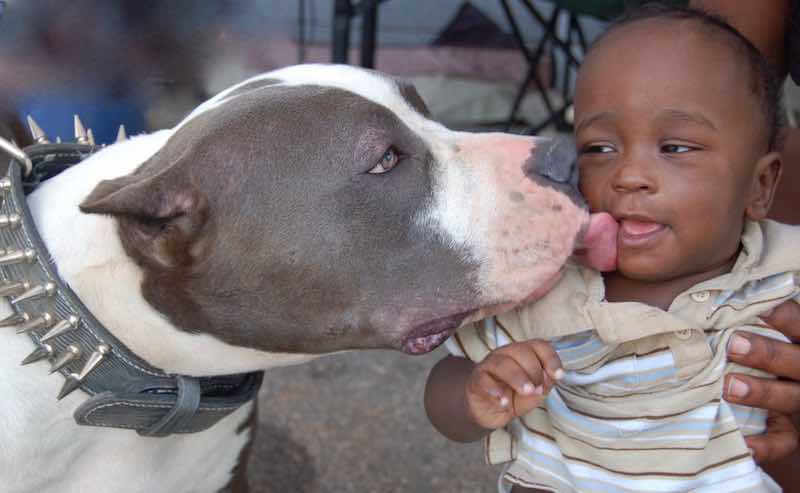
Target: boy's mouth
[{"x": 639, "y": 232}]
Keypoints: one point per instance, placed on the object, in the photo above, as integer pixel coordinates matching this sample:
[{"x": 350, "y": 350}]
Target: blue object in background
[{"x": 53, "y": 110}]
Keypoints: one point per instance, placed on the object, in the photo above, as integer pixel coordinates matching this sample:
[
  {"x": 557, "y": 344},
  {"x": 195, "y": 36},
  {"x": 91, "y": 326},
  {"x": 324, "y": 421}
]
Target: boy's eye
[
  {"x": 597, "y": 149},
  {"x": 675, "y": 149}
]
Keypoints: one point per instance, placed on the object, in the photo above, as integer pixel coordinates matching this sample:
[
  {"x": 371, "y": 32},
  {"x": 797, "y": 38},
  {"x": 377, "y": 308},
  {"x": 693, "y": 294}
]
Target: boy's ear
[
  {"x": 765, "y": 181},
  {"x": 160, "y": 219}
]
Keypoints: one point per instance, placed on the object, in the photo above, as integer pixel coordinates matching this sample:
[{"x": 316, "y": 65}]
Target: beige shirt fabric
[{"x": 641, "y": 408}]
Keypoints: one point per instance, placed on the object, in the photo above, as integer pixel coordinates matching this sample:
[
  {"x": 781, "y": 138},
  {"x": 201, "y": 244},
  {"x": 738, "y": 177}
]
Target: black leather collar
[{"x": 125, "y": 391}]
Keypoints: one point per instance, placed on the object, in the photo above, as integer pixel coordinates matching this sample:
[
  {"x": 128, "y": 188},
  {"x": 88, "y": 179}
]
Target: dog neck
[{"x": 90, "y": 258}]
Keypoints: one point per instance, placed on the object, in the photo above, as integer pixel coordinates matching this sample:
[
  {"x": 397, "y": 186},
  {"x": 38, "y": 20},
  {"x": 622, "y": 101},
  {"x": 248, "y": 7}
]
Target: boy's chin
[{"x": 646, "y": 270}]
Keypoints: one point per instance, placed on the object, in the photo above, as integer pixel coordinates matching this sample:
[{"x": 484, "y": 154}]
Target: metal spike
[
  {"x": 17, "y": 256},
  {"x": 70, "y": 384},
  {"x": 42, "y": 321},
  {"x": 14, "y": 319},
  {"x": 41, "y": 352},
  {"x": 66, "y": 357},
  {"x": 39, "y": 137},
  {"x": 36, "y": 292},
  {"x": 122, "y": 135},
  {"x": 80, "y": 132},
  {"x": 13, "y": 288},
  {"x": 90, "y": 136},
  {"x": 95, "y": 358},
  {"x": 18, "y": 154},
  {"x": 10, "y": 220},
  {"x": 73, "y": 380},
  {"x": 60, "y": 328}
]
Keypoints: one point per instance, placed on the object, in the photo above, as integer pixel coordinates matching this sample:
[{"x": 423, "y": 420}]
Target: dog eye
[{"x": 386, "y": 163}]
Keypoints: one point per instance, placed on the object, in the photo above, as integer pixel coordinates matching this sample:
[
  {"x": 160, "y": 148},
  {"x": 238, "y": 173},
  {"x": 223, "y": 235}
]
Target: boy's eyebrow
[
  {"x": 588, "y": 121},
  {"x": 687, "y": 116}
]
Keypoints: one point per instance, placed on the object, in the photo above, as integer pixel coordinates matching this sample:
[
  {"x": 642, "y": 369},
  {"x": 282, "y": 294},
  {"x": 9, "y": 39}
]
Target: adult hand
[{"x": 781, "y": 396}]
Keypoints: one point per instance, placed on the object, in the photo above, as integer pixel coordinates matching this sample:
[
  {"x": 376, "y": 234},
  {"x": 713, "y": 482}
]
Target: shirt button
[
  {"x": 701, "y": 296},
  {"x": 684, "y": 334}
]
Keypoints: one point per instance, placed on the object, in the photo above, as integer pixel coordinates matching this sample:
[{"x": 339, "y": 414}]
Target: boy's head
[{"x": 676, "y": 118}]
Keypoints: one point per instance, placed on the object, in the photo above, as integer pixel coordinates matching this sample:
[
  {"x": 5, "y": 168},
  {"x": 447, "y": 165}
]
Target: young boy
[{"x": 676, "y": 126}]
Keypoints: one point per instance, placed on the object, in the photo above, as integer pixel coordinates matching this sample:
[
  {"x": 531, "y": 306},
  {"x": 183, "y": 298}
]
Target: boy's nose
[{"x": 633, "y": 175}]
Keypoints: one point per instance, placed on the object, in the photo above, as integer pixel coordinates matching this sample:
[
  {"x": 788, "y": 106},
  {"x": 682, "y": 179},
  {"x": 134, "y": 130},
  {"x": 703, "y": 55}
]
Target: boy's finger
[
  {"x": 548, "y": 357},
  {"x": 523, "y": 404},
  {"x": 490, "y": 388},
  {"x": 505, "y": 368},
  {"x": 527, "y": 359}
]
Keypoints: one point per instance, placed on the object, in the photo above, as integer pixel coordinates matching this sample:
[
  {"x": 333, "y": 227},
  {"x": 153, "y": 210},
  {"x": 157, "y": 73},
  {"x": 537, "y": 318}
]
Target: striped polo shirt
[{"x": 640, "y": 407}]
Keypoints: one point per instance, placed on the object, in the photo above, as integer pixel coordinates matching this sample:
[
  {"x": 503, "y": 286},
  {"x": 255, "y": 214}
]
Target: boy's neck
[{"x": 657, "y": 293}]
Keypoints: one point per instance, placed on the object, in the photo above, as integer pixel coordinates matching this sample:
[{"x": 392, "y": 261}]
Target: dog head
[{"x": 318, "y": 208}]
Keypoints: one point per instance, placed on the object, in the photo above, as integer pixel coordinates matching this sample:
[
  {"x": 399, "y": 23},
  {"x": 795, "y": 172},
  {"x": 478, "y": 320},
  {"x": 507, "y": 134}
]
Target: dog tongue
[{"x": 598, "y": 247}]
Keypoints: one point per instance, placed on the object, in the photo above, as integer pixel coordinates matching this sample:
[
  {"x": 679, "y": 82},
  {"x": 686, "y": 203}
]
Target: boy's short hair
[{"x": 766, "y": 85}]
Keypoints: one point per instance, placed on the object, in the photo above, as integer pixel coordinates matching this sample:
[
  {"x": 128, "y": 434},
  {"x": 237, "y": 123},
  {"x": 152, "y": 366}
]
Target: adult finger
[
  {"x": 776, "y": 357},
  {"x": 782, "y": 396},
  {"x": 785, "y": 318},
  {"x": 779, "y": 441}
]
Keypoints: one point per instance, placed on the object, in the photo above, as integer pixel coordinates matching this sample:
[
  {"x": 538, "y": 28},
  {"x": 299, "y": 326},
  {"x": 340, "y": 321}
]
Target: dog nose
[{"x": 555, "y": 159}]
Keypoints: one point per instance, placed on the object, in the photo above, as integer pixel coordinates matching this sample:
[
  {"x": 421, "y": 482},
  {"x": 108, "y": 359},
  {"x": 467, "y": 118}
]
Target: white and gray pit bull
[{"x": 309, "y": 210}]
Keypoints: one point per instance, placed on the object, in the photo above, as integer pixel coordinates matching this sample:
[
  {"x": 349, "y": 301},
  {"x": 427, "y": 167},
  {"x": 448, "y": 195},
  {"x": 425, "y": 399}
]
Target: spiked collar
[{"x": 124, "y": 390}]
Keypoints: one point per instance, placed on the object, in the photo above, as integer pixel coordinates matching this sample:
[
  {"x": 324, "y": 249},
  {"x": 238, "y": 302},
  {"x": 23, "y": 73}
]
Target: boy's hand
[{"x": 511, "y": 381}]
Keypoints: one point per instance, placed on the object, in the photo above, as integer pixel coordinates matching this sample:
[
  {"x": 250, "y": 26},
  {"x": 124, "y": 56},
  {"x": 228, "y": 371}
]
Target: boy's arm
[{"x": 446, "y": 403}]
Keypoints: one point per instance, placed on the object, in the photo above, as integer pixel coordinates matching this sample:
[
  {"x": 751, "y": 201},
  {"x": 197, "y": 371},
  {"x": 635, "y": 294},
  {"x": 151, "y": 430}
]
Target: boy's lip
[{"x": 638, "y": 230}]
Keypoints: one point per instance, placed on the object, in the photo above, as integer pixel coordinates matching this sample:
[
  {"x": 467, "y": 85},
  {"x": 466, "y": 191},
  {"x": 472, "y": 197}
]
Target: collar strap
[{"x": 125, "y": 391}]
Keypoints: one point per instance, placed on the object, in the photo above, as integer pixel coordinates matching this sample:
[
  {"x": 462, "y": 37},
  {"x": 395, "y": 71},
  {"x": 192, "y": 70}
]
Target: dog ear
[{"x": 160, "y": 218}]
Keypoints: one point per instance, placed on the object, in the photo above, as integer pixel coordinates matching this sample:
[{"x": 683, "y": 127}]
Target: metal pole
[
  {"x": 301, "y": 31},
  {"x": 342, "y": 11},
  {"x": 369, "y": 29}
]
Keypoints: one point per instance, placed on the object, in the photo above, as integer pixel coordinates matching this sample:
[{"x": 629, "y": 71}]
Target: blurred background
[
  {"x": 145, "y": 63},
  {"x": 350, "y": 422}
]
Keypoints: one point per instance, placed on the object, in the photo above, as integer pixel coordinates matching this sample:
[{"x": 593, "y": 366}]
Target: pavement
[{"x": 355, "y": 422}]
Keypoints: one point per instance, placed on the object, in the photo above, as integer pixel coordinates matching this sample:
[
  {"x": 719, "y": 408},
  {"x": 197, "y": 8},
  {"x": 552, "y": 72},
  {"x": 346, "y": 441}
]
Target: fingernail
[
  {"x": 558, "y": 374},
  {"x": 737, "y": 388},
  {"x": 504, "y": 401},
  {"x": 527, "y": 389},
  {"x": 739, "y": 345},
  {"x": 539, "y": 390}
]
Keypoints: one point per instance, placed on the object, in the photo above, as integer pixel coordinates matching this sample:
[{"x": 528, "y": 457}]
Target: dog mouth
[
  {"x": 431, "y": 334},
  {"x": 428, "y": 336}
]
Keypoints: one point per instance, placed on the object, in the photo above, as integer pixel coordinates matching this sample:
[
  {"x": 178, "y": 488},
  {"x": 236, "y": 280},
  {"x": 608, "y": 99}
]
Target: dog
[{"x": 309, "y": 210}]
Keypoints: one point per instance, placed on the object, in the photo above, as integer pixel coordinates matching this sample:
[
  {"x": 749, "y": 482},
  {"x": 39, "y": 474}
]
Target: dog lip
[{"x": 429, "y": 335}]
